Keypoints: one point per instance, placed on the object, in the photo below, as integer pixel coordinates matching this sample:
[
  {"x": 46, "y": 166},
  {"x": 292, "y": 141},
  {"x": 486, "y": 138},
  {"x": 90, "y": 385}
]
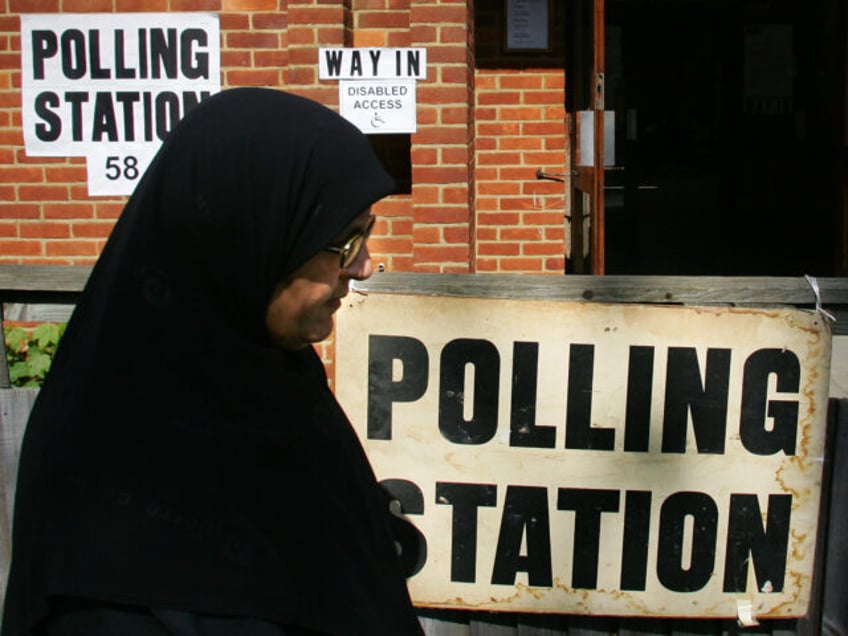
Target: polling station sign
[
  {"x": 589, "y": 458},
  {"x": 110, "y": 87}
]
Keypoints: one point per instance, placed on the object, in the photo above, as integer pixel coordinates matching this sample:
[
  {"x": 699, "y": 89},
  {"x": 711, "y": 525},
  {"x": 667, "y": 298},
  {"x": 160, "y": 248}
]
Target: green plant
[{"x": 29, "y": 352}]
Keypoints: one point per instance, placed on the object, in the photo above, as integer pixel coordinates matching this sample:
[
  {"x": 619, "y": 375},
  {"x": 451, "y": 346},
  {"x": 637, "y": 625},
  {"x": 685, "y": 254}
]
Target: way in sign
[{"x": 372, "y": 63}]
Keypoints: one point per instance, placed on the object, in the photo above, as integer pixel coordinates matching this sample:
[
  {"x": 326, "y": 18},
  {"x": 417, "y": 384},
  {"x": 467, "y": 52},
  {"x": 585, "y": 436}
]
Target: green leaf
[
  {"x": 17, "y": 372},
  {"x": 16, "y": 339},
  {"x": 39, "y": 364},
  {"x": 46, "y": 334}
]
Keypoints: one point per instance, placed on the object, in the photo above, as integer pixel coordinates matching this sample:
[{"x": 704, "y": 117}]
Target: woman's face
[{"x": 302, "y": 306}]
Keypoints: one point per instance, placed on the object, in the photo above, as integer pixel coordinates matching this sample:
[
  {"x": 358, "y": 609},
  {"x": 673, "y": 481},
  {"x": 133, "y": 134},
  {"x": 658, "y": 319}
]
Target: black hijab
[{"x": 173, "y": 458}]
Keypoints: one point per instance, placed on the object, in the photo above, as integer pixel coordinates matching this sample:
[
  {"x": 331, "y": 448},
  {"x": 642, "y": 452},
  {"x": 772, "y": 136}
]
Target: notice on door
[{"x": 588, "y": 458}]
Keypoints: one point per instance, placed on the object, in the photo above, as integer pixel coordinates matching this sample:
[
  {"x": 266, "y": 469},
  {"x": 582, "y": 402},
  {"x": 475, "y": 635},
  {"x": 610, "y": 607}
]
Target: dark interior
[{"x": 729, "y": 120}]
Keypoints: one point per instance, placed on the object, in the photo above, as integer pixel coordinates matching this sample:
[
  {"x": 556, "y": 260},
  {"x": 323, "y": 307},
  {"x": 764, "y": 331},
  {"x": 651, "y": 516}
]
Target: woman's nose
[{"x": 362, "y": 267}]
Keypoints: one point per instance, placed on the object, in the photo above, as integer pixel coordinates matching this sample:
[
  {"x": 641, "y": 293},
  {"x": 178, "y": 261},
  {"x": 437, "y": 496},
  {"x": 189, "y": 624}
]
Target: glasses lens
[{"x": 352, "y": 250}]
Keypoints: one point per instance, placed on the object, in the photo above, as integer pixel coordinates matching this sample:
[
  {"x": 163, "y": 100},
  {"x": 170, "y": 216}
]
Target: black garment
[
  {"x": 173, "y": 459},
  {"x": 75, "y": 618}
]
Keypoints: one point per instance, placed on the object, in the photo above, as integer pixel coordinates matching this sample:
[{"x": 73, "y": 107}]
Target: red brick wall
[
  {"x": 486, "y": 120},
  {"x": 520, "y": 127}
]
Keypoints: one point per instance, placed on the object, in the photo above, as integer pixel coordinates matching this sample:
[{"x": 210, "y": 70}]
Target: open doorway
[{"x": 729, "y": 120}]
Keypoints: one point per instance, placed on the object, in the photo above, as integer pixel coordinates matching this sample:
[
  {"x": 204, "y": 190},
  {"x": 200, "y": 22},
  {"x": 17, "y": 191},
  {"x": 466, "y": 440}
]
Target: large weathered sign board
[{"x": 615, "y": 459}]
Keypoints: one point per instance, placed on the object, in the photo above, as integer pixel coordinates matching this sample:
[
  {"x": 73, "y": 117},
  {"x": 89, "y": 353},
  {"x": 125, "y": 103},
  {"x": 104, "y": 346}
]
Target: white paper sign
[
  {"x": 379, "y": 106},
  {"x": 372, "y": 63},
  {"x": 111, "y": 86}
]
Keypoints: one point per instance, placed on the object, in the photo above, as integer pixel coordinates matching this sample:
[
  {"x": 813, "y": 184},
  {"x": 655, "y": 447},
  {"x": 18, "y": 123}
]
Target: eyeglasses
[{"x": 353, "y": 244}]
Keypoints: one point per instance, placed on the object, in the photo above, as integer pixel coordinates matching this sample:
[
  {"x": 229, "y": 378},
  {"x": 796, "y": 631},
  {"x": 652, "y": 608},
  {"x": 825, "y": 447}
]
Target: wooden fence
[{"x": 828, "y": 615}]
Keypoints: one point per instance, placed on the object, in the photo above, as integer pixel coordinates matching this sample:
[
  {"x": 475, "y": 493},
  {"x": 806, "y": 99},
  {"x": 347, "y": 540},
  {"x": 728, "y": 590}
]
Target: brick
[
  {"x": 11, "y": 137},
  {"x": 85, "y": 6},
  {"x": 234, "y": 22},
  {"x": 129, "y": 6},
  {"x": 440, "y": 175},
  {"x": 520, "y": 264},
  {"x": 542, "y": 249},
  {"x": 452, "y": 34},
  {"x": 498, "y": 218},
  {"x": 315, "y": 15},
  {"x": 382, "y": 20},
  {"x": 520, "y": 114},
  {"x": 520, "y": 143},
  {"x": 45, "y": 230},
  {"x": 442, "y": 135},
  {"x": 33, "y": 6},
  {"x": 486, "y": 143},
  {"x": 276, "y": 59},
  {"x": 249, "y": 5},
  {"x": 18, "y": 247},
  {"x": 43, "y": 193},
  {"x": 455, "y": 155},
  {"x": 440, "y": 14},
  {"x": 108, "y": 210},
  {"x": 446, "y": 214},
  {"x": 499, "y": 188},
  {"x": 253, "y": 78},
  {"x": 543, "y": 128},
  {"x": 525, "y": 174},
  {"x": 456, "y": 74},
  {"x": 555, "y": 233},
  {"x": 385, "y": 245},
  {"x": 16, "y": 210},
  {"x": 543, "y": 218},
  {"x": 500, "y": 158},
  {"x": 498, "y": 129},
  {"x": 274, "y": 20},
  {"x": 420, "y": 34},
  {"x": 302, "y": 37},
  {"x": 299, "y": 55},
  {"x": 73, "y": 248},
  {"x": 427, "y": 194},
  {"x": 487, "y": 265},
  {"x": 441, "y": 254},
  {"x": 555, "y": 265},
  {"x": 543, "y": 97},
  {"x": 521, "y": 81},
  {"x": 252, "y": 40},
  {"x": 457, "y": 234},
  {"x": 65, "y": 174},
  {"x": 95, "y": 229},
  {"x": 441, "y": 95},
  {"x": 21, "y": 174},
  {"x": 195, "y": 5},
  {"x": 447, "y": 54},
  {"x": 398, "y": 39},
  {"x": 235, "y": 59},
  {"x": 68, "y": 210},
  {"x": 370, "y": 38},
  {"x": 498, "y": 98},
  {"x": 455, "y": 195}
]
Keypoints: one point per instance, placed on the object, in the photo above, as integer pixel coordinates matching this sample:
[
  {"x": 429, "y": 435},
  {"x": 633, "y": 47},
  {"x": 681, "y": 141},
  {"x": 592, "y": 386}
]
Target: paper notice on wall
[{"x": 110, "y": 87}]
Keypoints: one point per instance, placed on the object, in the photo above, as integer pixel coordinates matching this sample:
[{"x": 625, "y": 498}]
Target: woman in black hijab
[{"x": 186, "y": 469}]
